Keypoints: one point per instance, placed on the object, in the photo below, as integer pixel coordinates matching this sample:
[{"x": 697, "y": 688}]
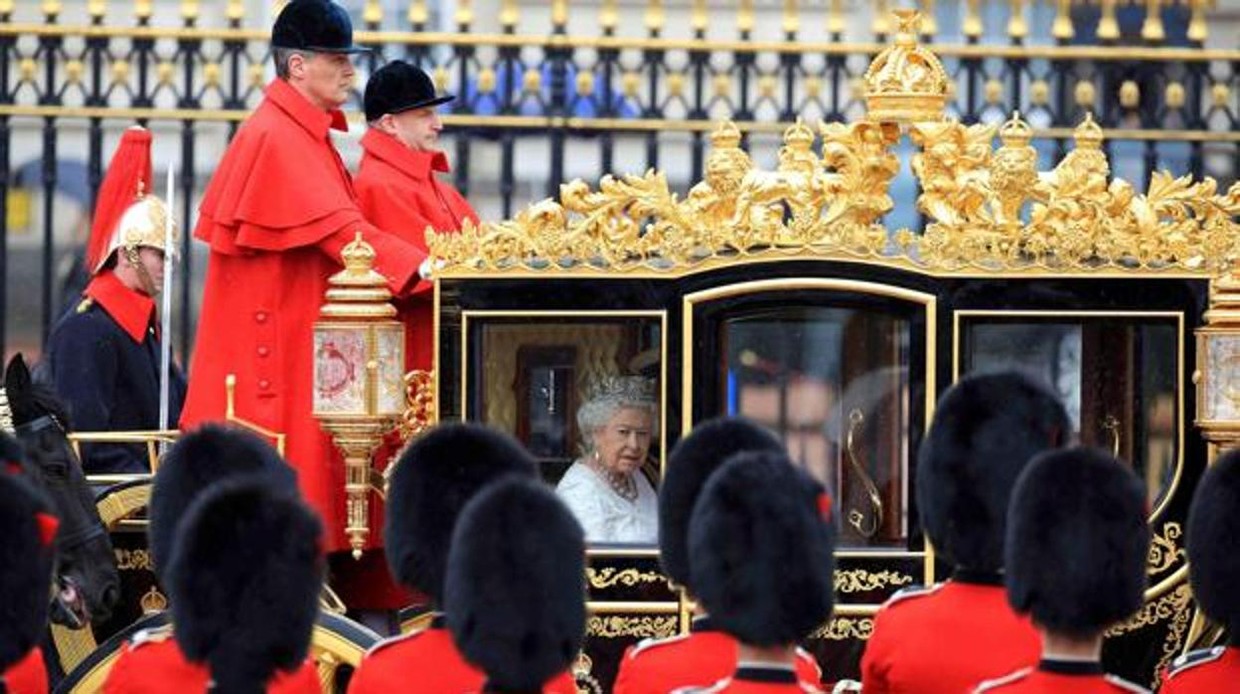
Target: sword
[{"x": 165, "y": 317}]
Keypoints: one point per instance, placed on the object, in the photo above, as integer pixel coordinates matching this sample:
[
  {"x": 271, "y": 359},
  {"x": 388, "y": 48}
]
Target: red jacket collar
[
  {"x": 132, "y": 310},
  {"x": 419, "y": 165},
  {"x": 315, "y": 120}
]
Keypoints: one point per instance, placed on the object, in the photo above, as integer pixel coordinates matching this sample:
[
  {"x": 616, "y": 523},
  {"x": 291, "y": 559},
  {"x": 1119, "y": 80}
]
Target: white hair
[{"x": 611, "y": 395}]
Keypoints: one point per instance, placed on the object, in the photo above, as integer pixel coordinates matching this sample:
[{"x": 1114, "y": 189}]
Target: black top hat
[
  {"x": 320, "y": 26},
  {"x": 399, "y": 86},
  {"x": 1213, "y": 529},
  {"x": 515, "y": 594},
  {"x": 197, "y": 460},
  {"x": 985, "y": 430},
  {"x": 244, "y": 579},
  {"x": 1077, "y": 539},
  {"x": 760, "y": 550},
  {"x": 691, "y": 463},
  {"x": 433, "y": 480},
  {"x": 26, "y": 553}
]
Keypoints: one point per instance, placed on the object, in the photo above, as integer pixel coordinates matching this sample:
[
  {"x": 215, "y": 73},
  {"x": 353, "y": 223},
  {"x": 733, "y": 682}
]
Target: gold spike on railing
[
  {"x": 881, "y": 26},
  {"x": 510, "y": 14},
  {"x": 1197, "y": 27},
  {"x": 1108, "y": 24},
  {"x": 464, "y": 14},
  {"x": 698, "y": 18},
  {"x": 745, "y": 17},
  {"x": 791, "y": 19},
  {"x": 1017, "y": 27},
  {"x": 1152, "y": 27},
  {"x": 142, "y": 9},
  {"x": 972, "y": 25},
  {"x": 189, "y": 11},
  {"x": 929, "y": 23},
  {"x": 835, "y": 17},
  {"x": 417, "y": 14},
  {"x": 1061, "y": 27},
  {"x": 50, "y": 8},
  {"x": 235, "y": 11},
  {"x": 609, "y": 16},
  {"x": 96, "y": 8},
  {"x": 655, "y": 17},
  {"x": 372, "y": 13}
]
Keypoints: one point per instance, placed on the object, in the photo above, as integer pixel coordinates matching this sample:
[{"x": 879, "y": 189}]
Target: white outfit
[{"x": 604, "y": 514}]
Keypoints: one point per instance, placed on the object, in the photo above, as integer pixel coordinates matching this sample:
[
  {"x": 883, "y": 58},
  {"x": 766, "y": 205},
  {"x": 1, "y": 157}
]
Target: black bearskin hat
[
  {"x": 202, "y": 457},
  {"x": 1214, "y": 542},
  {"x": 985, "y": 430},
  {"x": 1076, "y": 542},
  {"x": 244, "y": 581},
  {"x": 760, "y": 550},
  {"x": 691, "y": 463},
  {"x": 320, "y": 26},
  {"x": 433, "y": 480},
  {"x": 27, "y": 554},
  {"x": 398, "y": 87},
  {"x": 515, "y": 592}
]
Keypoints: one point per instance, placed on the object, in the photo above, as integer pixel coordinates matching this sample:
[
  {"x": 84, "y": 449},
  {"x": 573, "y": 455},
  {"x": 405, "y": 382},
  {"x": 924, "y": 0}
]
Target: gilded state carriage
[{"x": 779, "y": 294}]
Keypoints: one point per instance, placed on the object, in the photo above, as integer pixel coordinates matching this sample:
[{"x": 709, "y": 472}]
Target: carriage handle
[{"x": 856, "y": 420}]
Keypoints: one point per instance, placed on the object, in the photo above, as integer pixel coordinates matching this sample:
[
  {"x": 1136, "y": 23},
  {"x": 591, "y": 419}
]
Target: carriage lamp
[
  {"x": 359, "y": 391},
  {"x": 1217, "y": 375}
]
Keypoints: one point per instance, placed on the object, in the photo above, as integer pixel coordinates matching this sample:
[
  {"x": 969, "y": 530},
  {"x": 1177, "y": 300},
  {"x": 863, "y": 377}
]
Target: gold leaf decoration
[
  {"x": 614, "y": 626},
  {"x": 862, "y": 581},
  {"x": 1155, "y": 611},
  {"x": 1163, "y": 552},
  {"x": 611, "y": 576},
  {"x": 845, "y": 628}
]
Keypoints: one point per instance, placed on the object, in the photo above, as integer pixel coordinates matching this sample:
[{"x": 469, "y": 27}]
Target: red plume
[
  {"x": 129, "y": 168},
  {"x": 48, "y": 525}
]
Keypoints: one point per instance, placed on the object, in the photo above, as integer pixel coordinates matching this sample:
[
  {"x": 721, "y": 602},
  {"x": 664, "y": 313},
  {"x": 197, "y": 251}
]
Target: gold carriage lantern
[
  {"x": 359, "y": 357},
  {"x": 1218, "y": 364}
]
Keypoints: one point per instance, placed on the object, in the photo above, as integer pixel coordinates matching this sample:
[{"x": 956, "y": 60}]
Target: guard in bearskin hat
[
  {"x": 103, "y": 356},
  {"x": 944, "y": 638},
  {"x": 198, "y": 461},
  {"x": 27, "y": 553},
  {"x": 244, "y": 579},
  {"x": 434, "y": 479},
  {"x": 707, "y": 653},
  {"x": 761, "y": 542},
  {"x": 1077, "y": 539},
  {"x": 1214, "y": 571},
  {"x": 515, "y": 588}
]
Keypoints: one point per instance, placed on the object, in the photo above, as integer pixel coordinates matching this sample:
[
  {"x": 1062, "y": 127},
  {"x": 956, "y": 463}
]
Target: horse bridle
[{"x": 75, "y": 537}]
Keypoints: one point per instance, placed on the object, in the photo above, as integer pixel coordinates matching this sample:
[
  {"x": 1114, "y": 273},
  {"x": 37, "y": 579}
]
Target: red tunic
[
  {"x": 755, "y": 679},
  {"x": 427, "y": 661},
  {"x": 944, "y": 639},
  {"x": 398, "y": 190},
  {"x": 152, "y": 663},
  {"x": 1206, "y": 671},
  {"x": 699, "y": 658},
  {"x": 26, "y": 676},
  {"x": 1060, "y": 677},
  {"x": 276, "y": 214}
]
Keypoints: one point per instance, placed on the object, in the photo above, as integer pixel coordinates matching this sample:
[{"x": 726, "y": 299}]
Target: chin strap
[{"x": 144, "y": 277}]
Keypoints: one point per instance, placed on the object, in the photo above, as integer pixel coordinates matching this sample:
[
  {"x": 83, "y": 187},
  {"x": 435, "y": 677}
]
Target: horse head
[{"x": 87, "y": 581}]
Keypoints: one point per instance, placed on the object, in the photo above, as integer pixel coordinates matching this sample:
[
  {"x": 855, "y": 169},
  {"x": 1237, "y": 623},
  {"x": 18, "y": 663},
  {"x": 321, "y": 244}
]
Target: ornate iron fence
[{"x": 1164, "y": 99}]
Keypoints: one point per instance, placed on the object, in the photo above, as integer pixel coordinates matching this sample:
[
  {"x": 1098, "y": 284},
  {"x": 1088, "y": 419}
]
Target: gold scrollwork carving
[
  {"x": 862, "y": 581},
  {"x": 133, "y": 560},
  {"x": 609, "y": 576},
  {"x": 613, "y": 626},
  {"x": 1165, "y": 607},
  {"x": 845, "y": 628},
  {"x": 1164, "y": 552}
]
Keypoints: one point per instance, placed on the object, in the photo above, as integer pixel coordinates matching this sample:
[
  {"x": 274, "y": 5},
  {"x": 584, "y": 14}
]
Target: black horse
[{"x": 87, "y": 581}]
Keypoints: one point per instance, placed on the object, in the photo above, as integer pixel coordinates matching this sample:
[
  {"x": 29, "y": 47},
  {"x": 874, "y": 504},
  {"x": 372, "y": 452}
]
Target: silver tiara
[{"x": 624, "y": 388}]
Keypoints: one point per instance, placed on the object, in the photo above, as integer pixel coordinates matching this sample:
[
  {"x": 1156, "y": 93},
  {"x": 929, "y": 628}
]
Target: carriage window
[
  {"x": 1118, "y": 378},
  {"x": 834, "y": 383},
  {"x": 585, "y": 397}
]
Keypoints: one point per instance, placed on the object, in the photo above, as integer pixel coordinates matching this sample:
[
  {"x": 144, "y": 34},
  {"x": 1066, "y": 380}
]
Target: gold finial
[
  {"x": 235, "y": 10},
  {"x": 791, "y": 20},
  {"x": 51, "y": 8},
  {"x": 1088, "y": 135},
  {"x": 142, "y": 9},
  {"x": 1108, "y": 24},
  {"x": 881, "y": 26},
  {"x": 655, "y": 17},
  {"x": 906, "y": 83},
  {"x": 1017, "y": 27},
  {"x": 510, "y": 14},
  {"x": 1061, "y": 26},
  {"x": 835, "y": 17},
  {"x": 608, "y": 17},
  {"x": 1152, "y": 27},
  {"x": 417, "y": 14},
  {"x": 1197, "y": 28},
  {"x": 972, "y": 25},
  {"x": 726, "y": 135},
  {"x": 799, "y": 136},
  {"x": 698, "y": 17},
  {"x": 372, "y": 13},
  {"x": 464, "y": 14},
  {"x": 96, "y": 8},
  {"x": 745, "y": 17},
  {"x": 189, "y": 10},
  {"x": 929, "y": 24},
  {"x": 358, "y": 291},
  {"x": 1015, "y": 131}
]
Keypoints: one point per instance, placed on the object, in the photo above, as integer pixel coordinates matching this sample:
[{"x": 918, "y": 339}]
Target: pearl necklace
[{"x": 621, "y": 483}]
